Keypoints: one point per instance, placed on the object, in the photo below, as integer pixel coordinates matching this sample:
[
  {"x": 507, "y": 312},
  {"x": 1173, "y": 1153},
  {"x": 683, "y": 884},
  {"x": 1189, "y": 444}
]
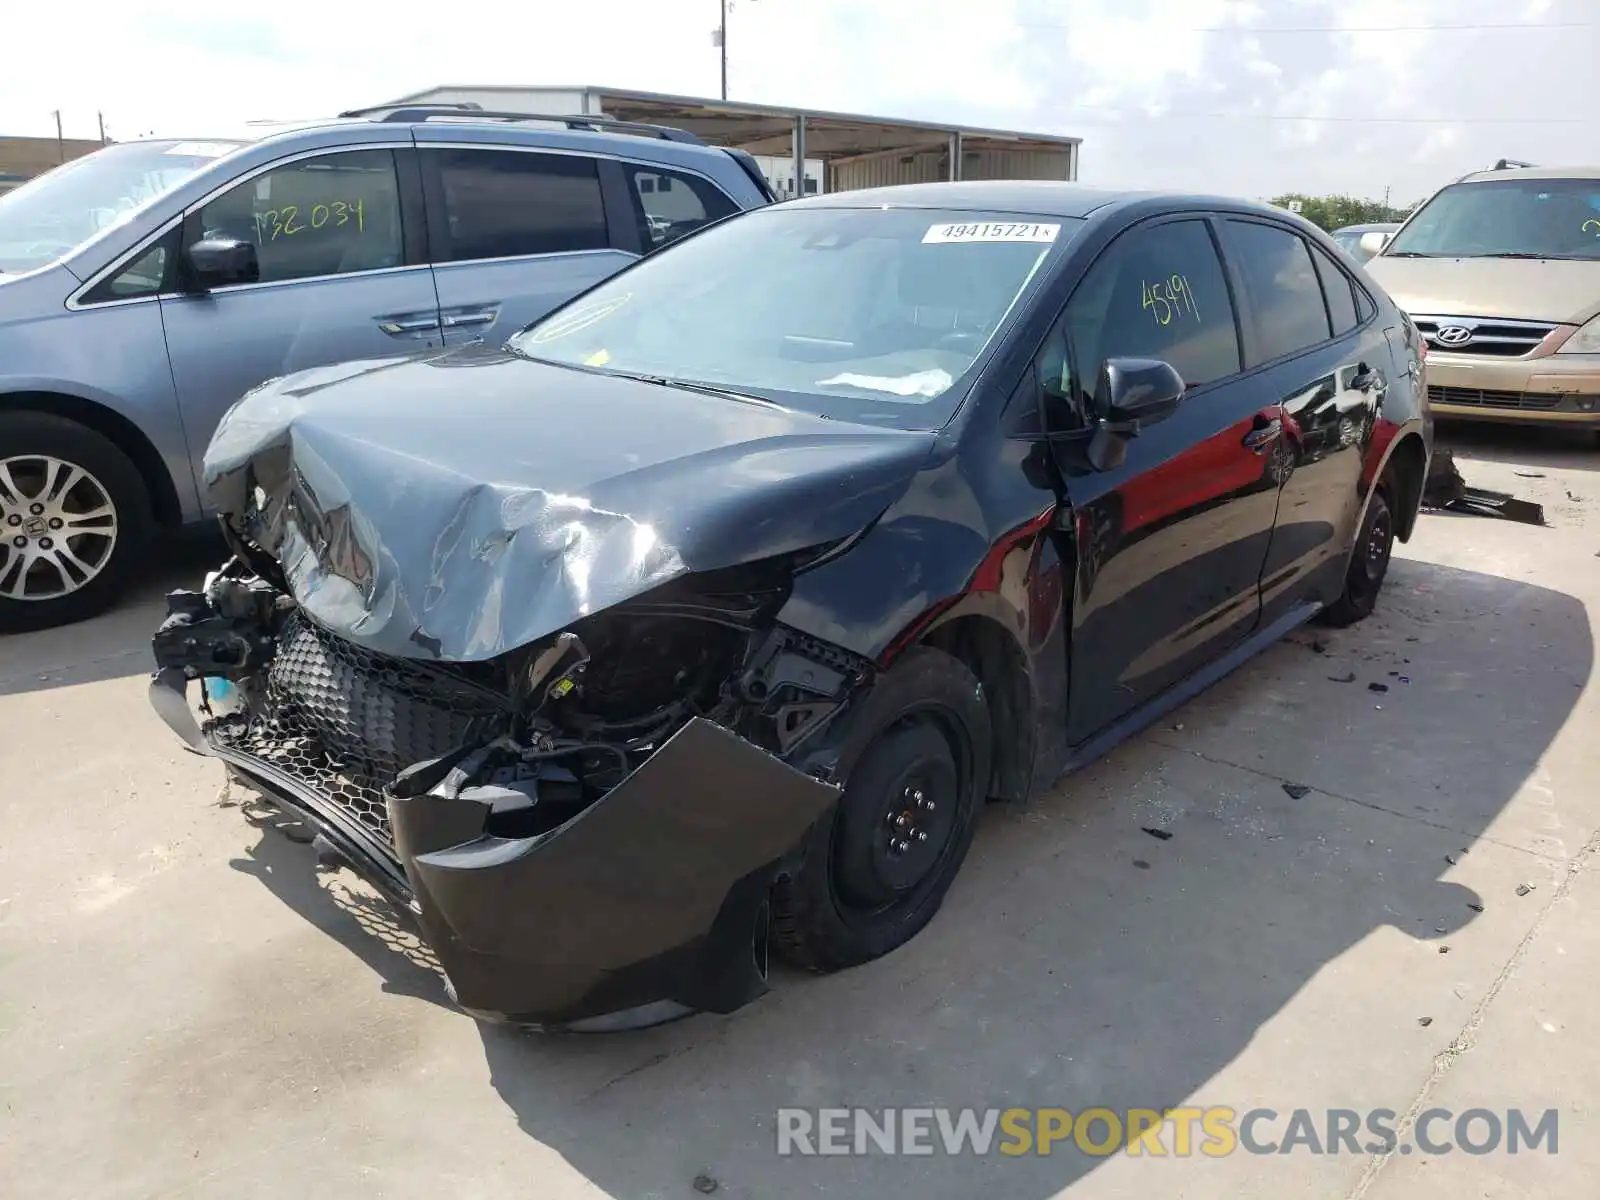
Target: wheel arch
[
  {"x": 1408, "y": 457},
  {"x": 117, "y": 429},
  {"x": 991, "y": 651}
]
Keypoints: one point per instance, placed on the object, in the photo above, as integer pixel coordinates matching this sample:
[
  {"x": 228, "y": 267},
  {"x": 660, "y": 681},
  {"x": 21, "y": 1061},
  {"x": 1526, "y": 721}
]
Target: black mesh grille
[
  {"x": 1484, "y": 398},
  {"x": 345, "y": 721}
]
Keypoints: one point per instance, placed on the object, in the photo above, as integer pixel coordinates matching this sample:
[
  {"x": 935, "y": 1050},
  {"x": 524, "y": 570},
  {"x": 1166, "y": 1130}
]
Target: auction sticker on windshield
[
  {"x": 992, "y": 231},
  {"x": 203, "y": 149}
]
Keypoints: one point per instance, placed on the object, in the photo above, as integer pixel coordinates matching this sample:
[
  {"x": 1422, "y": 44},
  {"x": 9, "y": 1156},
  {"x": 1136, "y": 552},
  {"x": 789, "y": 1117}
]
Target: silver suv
[{"x": 145, "y": 288}]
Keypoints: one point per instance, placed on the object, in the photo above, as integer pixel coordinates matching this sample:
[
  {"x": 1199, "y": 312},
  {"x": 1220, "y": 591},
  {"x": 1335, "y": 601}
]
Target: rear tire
[
  {"x": 75, "y": 521},
  {"x": 1369, "y": 561},
  {"x": 876, "y": 869}
]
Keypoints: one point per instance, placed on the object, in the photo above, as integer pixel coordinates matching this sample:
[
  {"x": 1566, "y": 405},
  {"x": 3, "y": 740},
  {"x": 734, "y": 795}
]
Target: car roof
[
  {"x": 1368, "y": 227},
  {"x": 1036, "y": 197},
  {"x": 1533, "y": 173},
  {"x": 567, "y": 131}
]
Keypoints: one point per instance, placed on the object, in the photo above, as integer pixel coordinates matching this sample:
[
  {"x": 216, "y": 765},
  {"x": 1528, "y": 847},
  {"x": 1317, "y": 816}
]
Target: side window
[
  {"x": 1336, "y": 286},
  {"x": 329, "y": 215},
  {"x": 670, "y": 205},
  {"x": 1064, "y": 405},
  {"x": 1281, "y": 291},
  {"x": 147, "y": 274},
  {"x": 507, "y": 203},
  {"x": 1158, "y": 292},
  {"x": 1365, "y": 310}
]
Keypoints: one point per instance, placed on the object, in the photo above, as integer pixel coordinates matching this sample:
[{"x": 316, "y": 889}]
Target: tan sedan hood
[{"x": 1558, "y": 290}]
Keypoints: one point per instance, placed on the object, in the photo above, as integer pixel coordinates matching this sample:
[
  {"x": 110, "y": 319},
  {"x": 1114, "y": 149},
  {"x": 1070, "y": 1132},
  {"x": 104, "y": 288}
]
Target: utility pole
[
  {"x": 722, "y": 44},
  {"x": 61, "y": 147},
  {"x": 719, "y": 38},
  {"x": 102, "y": 117}
]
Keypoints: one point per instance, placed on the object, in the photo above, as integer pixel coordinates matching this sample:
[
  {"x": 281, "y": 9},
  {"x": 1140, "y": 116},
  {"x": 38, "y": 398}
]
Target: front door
[
  {"x": 335, "y": 283},
  {"x": 1170, "y": 544}
]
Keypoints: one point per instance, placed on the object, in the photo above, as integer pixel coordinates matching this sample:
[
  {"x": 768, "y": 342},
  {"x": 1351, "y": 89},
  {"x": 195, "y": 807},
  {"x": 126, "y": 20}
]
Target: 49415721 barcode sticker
[{"x": 992, "y": 231}]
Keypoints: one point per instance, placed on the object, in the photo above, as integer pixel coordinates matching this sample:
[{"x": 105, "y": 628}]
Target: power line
[
  {"x": 1128, "y": 115},
  {"x": 1252, "y": 29}
]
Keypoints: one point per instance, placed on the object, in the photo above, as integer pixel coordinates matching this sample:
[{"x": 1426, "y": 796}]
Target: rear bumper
[
  {"x": 1552, "y": 390},
  {"x": 649, "y": 904}
]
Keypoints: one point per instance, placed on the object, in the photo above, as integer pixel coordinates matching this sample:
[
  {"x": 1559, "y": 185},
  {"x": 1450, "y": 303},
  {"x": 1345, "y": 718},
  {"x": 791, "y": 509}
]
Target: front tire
[
  {"x": 75, "y": 520},
  {"x": 916, "y": 769},
  {"x": 1369, "y": 562}
]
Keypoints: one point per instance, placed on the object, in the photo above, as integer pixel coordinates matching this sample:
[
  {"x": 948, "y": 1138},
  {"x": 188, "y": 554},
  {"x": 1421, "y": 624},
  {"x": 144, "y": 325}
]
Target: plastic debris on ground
[{"x": 1446, "y": 489}]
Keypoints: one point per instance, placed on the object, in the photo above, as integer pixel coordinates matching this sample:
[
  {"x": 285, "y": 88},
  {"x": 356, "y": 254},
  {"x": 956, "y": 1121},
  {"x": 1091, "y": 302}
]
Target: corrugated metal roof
[{"x": 764, "y": 128}]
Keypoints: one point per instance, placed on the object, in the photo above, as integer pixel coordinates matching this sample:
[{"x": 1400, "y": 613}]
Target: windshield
[
  {"x": 874, "y": 315},
  {"x": 1509, "y": 218},
  {"x": 56, "y": 213}
]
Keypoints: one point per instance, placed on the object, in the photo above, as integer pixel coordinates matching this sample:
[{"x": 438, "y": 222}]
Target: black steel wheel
[
  {"x": 1369, "y": 563},
  {"x": 916, "y": 769}
]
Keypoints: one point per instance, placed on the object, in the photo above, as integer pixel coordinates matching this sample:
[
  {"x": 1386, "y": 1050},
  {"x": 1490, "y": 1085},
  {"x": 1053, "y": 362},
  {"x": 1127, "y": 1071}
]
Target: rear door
[
  {"x": 1171, "y": 543},
  {"x": 1312, "y": 330},
  {"x": 343, "y": 276},
  {"x": 516, "y": 232}
]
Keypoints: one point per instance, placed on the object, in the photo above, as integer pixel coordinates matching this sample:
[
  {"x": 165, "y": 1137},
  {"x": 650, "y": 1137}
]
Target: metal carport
[{"x": 855, "y": 150}]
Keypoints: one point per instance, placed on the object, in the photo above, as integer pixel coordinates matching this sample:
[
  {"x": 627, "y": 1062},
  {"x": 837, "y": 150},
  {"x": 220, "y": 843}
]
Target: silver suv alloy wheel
[{"x": 58, "y": 527}]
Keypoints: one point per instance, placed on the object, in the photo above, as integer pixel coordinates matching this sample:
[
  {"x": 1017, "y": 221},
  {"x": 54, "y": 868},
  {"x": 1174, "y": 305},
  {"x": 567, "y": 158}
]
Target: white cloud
[{"x": 1166, "y": 93}]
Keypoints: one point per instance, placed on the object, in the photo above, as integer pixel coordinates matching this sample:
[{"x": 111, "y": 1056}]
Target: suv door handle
[
  {"x": 1264, "y": 434},
  {"x": 400, "y": 324},
  {"x": 461, "y": 318}
]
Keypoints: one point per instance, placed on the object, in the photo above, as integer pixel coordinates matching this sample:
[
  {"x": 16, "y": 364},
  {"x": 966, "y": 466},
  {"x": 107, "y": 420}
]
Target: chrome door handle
[
  {"x": 404, "y": 323},
  {"x": 462, "y": 318}
]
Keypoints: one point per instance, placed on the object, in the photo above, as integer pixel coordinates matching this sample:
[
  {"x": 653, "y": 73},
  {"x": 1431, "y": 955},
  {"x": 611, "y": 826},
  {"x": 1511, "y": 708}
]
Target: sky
[{"x": 1241, "y": 97}]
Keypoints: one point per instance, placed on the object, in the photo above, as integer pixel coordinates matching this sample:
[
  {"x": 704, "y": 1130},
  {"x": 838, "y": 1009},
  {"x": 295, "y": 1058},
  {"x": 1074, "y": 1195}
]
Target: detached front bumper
[{"x": 648, "y": 904}]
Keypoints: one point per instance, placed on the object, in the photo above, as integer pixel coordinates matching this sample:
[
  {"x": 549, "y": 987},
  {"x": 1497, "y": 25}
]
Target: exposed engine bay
[{"x": 550, "y": 728}]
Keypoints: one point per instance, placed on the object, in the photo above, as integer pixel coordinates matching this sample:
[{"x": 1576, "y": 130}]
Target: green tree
[{"x": 1334, "y": 212}]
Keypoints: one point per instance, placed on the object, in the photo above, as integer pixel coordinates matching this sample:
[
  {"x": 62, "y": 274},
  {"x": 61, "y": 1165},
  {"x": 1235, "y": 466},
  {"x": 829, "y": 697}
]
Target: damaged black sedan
[{"x": 705, "y": 615}]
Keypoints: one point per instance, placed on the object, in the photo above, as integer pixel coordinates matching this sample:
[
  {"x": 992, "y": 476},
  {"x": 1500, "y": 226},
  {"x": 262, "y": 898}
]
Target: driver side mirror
[
  {"x": 1374, "y": 241},
  {"x": 219, "y": 261},
  {"x": 1129, "y": 394}
]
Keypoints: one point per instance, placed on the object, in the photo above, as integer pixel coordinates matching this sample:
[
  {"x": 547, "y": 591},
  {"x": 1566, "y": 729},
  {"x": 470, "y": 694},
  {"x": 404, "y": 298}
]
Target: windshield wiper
[
  {"x": 705, "y": 389},
  {"x": 1514, "y": 254},
  {"x": 1410, "y": 254}
]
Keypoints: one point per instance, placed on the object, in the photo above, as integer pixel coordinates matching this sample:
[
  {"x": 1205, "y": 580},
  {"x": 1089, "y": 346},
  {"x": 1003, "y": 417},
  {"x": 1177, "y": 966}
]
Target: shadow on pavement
[
  {"x": 1079, "y": 961},
  {"x": 1520, "y": 445},
  {"x": 116, "y": 643},
  {"x": 344, "y": 909}
]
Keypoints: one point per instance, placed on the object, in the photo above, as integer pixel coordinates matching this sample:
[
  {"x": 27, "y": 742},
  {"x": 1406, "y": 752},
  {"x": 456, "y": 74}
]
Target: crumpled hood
[
  {"x": 457, "y": 505},
  {"x": 1517, "y": 288}
]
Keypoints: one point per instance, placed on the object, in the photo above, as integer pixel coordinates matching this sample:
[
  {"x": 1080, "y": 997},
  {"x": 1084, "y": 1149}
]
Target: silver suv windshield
[
  {"x": 876, "y": 315},
  {"x": 49, "y": 217},
  {"x": 1506, "y": 218}
]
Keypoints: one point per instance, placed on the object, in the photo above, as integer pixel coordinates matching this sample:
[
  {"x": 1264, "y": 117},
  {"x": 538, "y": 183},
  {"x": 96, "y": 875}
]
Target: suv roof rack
[
  {"x": 1506, "y": 164},
  {"x": 407, "y": 113}
]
